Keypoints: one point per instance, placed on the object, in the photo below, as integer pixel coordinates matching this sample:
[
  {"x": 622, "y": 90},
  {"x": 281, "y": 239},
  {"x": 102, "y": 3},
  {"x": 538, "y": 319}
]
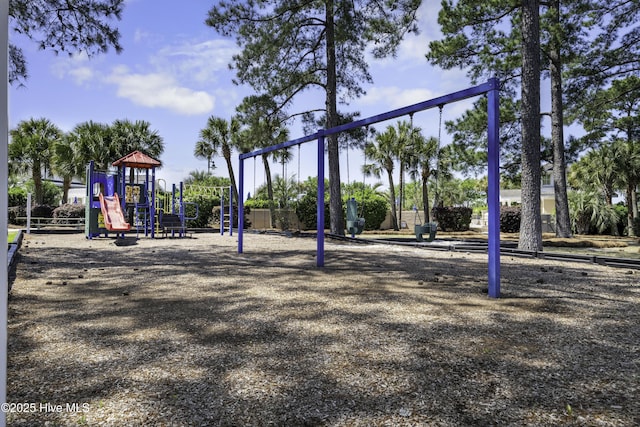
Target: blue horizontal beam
[
  {"x": 281, "y": 146},
  {"x": 420, "y": 106},
  {"x": 491, "y": 84}
]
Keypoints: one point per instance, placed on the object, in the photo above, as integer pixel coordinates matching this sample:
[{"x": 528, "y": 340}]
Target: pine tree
[
  {"x": 291, "y": 46},
  {"x": 63, "y": 26},
  {"x": 487, "y": 37}
]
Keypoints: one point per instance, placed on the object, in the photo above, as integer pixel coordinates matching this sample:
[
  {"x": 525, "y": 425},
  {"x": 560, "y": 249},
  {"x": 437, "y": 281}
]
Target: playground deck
[{"x": 188, "y": 332}]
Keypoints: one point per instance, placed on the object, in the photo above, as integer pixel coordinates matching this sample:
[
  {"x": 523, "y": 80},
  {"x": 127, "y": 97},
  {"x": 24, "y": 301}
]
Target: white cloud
[
  {"x": 200, "y": 62},
  {"x": 74, "y": 66},
  {"x": 413, "y": 47},
  {"x": 174, "y": 77},
  {"x": 82, "y": 75},
  {"x": 141, "y": 36},
  {"x": 159, "y": 90},
  {"x": 394, "y": 97}
]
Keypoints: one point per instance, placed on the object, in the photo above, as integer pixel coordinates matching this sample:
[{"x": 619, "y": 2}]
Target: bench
[{"x": 171, "y": 223}]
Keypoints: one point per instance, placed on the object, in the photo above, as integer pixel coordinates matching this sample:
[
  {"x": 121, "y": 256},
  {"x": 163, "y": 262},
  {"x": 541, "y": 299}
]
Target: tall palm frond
[{"x": 30, "y": 150}]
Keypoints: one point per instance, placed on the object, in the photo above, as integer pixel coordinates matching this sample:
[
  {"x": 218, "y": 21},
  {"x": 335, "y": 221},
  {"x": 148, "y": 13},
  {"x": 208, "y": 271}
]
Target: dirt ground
[{"x": 189, "y": 332}]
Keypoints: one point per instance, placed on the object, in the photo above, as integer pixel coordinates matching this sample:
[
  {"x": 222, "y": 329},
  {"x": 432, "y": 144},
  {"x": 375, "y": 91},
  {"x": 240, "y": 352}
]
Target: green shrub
[
  {"x": 454, "y": 218},
  {"x": 257, "y": 203},
  {"x": 373, "y": 210},
  {"x": 510, "y": 219},
  {"x": 636, "y": 226},
  {"x": 42, "y": 211},
  {"x": 205, "y": 206},
  {"x": 590, "y": 214},
  {"x": 69, "y": 211},
  {"x": 15, "y": 212},
  {"x": 215, "y": 216},
  {"x": 51, "y": 193},
  {"x": 621, "y": 224},
  {"x": 307, "y": 211},
  {"x": 17, "y": 196}
]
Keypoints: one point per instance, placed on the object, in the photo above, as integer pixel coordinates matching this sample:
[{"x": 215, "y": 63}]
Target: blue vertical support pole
[
  {"x": 222, "y": 212},
  {"x": 173, "y": 204},
  {"x": 241, "y": 205},
  {"x": 493, "y": 193},
  {"x": 182, "y": 212},
  {"x": 173, "y": 199},
  {"x": 320, "y": 212},
  {"x": 121, "y": 192},
  {"x": 145, "y": 196},
  {"x": 152, "y": 203},
  {"x": 230, "y": 211}
]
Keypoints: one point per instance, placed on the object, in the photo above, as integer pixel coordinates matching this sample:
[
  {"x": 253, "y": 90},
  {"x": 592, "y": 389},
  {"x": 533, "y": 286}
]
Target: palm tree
[
  {"x": 630, "y": 169},
  {"x": 405, "y": 154},
  {"x": 382, "y": 154},
  {"x": 589, "y": 210},
  {"x": 91, "y": 141},
  {"x": 277, "y": 136},
  {"x": 286, "y": 189},
  {"x": 264, "y": 127},
  {"x": 30, "y": 150},
  {"x": 197, "y": 176},
  {"x": 283, "y": 157},
  {"x": 625, "y": 122},
  {"x": 599, "y": 170},
  {"x": 424, "y": 151},
  {"x": 204, "y": 150},
  {"x": 128, "y": 136},
  {"x": 222, "y": 135},
  {"x": 64, "y": 164}
]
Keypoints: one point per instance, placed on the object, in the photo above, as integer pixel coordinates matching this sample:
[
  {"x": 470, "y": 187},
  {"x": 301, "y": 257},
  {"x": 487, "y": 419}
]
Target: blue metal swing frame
[{"x": 491, "y": 88}]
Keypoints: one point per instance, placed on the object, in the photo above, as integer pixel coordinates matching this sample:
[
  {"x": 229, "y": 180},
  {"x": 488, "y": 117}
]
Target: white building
[
  {"x": 547, "y": 193},
  {"x": 547, "y": 199}
]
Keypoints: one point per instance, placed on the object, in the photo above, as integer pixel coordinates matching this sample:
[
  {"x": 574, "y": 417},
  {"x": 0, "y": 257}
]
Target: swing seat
[
  {"x": 355, "y": 227},
  {"x": 429, "y": 228},
  {"x": 355, "y": 224}
]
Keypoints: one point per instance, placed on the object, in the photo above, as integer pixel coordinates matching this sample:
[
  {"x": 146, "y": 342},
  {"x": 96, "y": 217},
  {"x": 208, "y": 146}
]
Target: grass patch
[{"x": 12, "y": 235}]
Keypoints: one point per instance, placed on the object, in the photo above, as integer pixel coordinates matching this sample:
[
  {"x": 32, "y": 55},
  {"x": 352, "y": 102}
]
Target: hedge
[
  {"x": 454, "y": 218},
  {"x": 510, "y": 219}
]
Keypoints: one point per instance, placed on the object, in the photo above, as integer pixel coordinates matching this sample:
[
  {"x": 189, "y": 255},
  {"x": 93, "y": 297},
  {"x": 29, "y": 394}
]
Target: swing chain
[{"x": 436, "y": 201}]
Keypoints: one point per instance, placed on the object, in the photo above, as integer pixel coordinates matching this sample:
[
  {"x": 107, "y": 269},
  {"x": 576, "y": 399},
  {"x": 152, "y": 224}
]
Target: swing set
[
  {"x": 491, "y": 88},
  {"x": 355, "y": 217}
]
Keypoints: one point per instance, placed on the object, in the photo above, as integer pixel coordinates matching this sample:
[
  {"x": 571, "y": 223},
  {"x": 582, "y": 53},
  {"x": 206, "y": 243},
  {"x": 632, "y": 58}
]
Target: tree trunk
[
  {"x": 634, "y": 206},
  {"x": 425, "y": 195},
  {"x": 563, "y": 220},
  {"x": 608, "y": 196},
  {"x": 335, "y": 197},
  {"x": 226, "y": 151},
  {"x": 392, "y": 197},
  {"x": 401, "y": 193},
  {"x": 630, "y": 203},
  {"x": 267, "y": 172},
  {"x": 531, "y": 225},
  {"x": 37, "y": 182},
  {"x": 66, "y": 185}
]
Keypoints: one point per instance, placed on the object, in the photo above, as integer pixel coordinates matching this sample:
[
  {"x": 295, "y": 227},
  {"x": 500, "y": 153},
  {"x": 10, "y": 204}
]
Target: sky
[{"x": 173, "y": 73}]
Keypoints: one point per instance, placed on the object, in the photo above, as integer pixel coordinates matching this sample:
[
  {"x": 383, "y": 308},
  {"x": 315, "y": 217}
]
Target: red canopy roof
[{"x": 137, "y": 159}]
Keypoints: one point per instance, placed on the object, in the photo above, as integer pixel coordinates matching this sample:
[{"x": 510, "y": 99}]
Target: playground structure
[
  {"x": 112, "y": 213},
  {"x": 224, "y": 193},
  {"x": 491, "y": 88},
  {"x": 150, "y": 208}
]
